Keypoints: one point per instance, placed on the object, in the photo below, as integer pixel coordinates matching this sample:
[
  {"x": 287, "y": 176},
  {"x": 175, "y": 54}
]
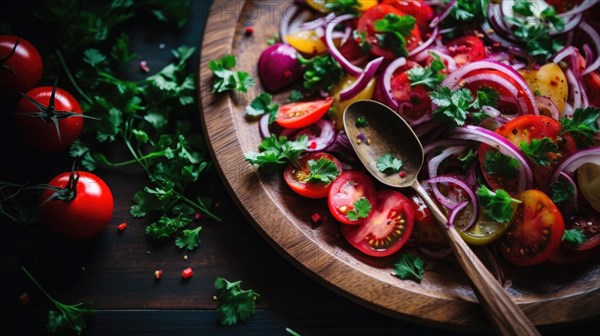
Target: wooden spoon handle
[{"x": 506, "y": 316}]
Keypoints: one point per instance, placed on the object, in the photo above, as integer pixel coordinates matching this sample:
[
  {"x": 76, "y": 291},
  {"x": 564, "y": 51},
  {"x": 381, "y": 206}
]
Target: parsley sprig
[
  {"x": 226, "y": 79},
  {"x": 469, "y": 10},
  {"x": 262, "y": 104},
  {"x": 573, "y": 237},
  {"x": 233, "y": 303},
  {"x": 534, "y": 31},
  {"x": 321, "y": 73},
  {"x": 361, "y": 209},
  {"x": 321, "y": 170},
  {"x": 583, "y": 125},
  {"x": 498, "y": 205},
  {"x": 562, "y": 191},
  {"x": 392, "y": 31},
  {"x": 429, "y": 76},
  {"x": 343, "y": 6},
  {"x": 389, "y": 164},
  {"x": 455, "y": 106},
  {"x": 538, "y": 150},
  {"x": 409, "y": 266},
  {"x": 500, "y": 164},
  {"x": 277, "y": 150}
]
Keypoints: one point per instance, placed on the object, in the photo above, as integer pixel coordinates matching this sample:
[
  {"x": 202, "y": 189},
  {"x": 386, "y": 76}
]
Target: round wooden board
[{"x": 548, "y": 295}]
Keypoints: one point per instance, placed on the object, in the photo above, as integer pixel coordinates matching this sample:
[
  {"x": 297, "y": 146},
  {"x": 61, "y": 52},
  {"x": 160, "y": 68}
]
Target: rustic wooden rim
[{"x": 247, "y": 189}]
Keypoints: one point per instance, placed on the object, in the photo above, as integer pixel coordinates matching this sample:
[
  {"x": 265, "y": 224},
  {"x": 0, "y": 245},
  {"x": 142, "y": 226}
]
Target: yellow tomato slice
[
  {"x": 339, "y": 106},
  {"x": 588, "y": 176},
  {"x": 306, "y": 42},
  {"x": 549, "y": 81}
]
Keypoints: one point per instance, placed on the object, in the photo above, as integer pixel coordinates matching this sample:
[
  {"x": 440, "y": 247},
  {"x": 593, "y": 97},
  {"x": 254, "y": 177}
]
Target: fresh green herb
[
  {"x": 343, "y": 6},
  {"x": 468, "y": 158},
  {"x": 573, "y": 237},
  {"x": 262, "y": 104},
  {"x": 538, "y": 150},
  {"x": 276, "y": 151},
  {"x": 550, "y": 16},
  {"x": 497, "y": 163},
  {"x": 227, "y": 80},
  {"x": 522, "y": 7},
  {"x": 389, "y": 164},
  {"x": 361, "y": 209},
  {"x": 470, "y": 10},
  {"x": 190, "y": 239},
  {"x": 537, "y": 93},
  {"x": 409, "y": 266},
  {"x": 498, "y": 205},
  {"x": 562, "y": 191},
  {"x": 583, "y": 125},
  {"x": 321, "y": 73},
  {"x": 321, "y": 170},
  {"x": 392, "y": 30},
  {"x": 291, "y": 332},
  {"x": 295, "y": 96},
  {"x": 485, "y": 97},
  {"x": 273, "y": 39},
  {"x": 429, "y": 76},
  {"x": 361, "y": 122},
  {"x": 67, "y": 318},
  {"x": 233, "y": 303},
  {"x": 455, "y": 106},
  {"x": 361, "y": 38}
]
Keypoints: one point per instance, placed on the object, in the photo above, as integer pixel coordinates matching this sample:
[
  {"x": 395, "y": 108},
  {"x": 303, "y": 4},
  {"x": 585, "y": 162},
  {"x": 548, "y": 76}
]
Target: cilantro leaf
[
  {"x": 499, "y": 164},
  {"x": 429, "y": 76},
  {"x": 573, "y": 237},
  {"x": 233, "y": 303},
  {"x": 190, "y": 239},
  {"x": 468, "y": 158},
  {"x": 538, "y": 150},
  {"x": 469, "y": 10},
  {"x": 452, "y": 105},
  {"x": 274, "y": 151},
  {"x": 549, "y": 15},
  {"x": 320, "y": 73},
  {"x": 273, "y": 39},
  {"x": 562, "y": 191},
  {"x": 498, "y": 205},
  {"x": 321, "y": 170},
  {"x": 361, "y": 122},
  {"x": 583, "y": 125},
  {"x": 409, "y": 266},
  {"x": 522, "y": 7},
  {"x": 485, "y": 97},
  {"x": 389, "y": 164},
  {"x": 167, "y": 226},
  {"x": 227, "y": 80},
  {"x": 361, "y": 209},
  {"x": 262, "y": 104},
  {"x": 392, "y": 30},
  {"x": 343, "y": 6},
  {"x": 295, "y": 96}
]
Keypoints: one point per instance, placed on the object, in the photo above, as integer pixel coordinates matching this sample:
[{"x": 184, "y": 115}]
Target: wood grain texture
[{"x": 443, "y": 298}]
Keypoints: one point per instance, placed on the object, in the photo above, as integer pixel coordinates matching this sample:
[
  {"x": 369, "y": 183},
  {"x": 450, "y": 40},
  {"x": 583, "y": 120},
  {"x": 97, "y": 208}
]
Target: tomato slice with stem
[
  {"x": 346, "y": 190},
  {"x": 536, "y": 230},
  {"x": 302, "y": 114},
  {"x": 388, "y": 227},
  {"x": 296, "y": 176}
]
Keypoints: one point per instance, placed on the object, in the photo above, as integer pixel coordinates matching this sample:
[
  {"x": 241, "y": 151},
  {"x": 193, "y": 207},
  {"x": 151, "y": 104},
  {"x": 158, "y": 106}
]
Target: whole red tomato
[
  {"x": 80, "y": 207},
  {"x": 49, "y": 124},
  {"x": 21, "y": 66}
]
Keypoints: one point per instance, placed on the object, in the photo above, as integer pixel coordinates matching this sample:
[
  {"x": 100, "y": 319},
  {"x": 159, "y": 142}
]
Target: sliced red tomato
[
  {"x": 388, "y": 227},
  {"x": 352, "y": 51},
  {"x": 413, "y": 100},
  {"x": 524, "y": 129},
  {"x": 591, "y": 82},
  {"x": 536, "y": 231},
  {"x": 426, "y": 230},
  {"x": 302, "y": 114},
  {"x": 295, "y": 176},
  {"x": 348, "y": 188},
  {"x": 466, "y": 49},
  {"x": 366, "y": 24},
  {"x": 417, "y": 8}
]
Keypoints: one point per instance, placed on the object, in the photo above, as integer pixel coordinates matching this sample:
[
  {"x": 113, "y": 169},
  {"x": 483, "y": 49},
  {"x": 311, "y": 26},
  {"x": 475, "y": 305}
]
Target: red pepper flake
[
  {"x": 287, "y": 74},
  {"x": 316, "y": 217},
  {"x": 197, "y": 216},
  {"x": 403, "y": 174},
  {"x": 24, "y": 299},
  {"x": 122, "y": 227},
  {"x": 357, "y": 40},
  {"x": 187, "y": 273},
  {"x": 144, "y": 66},
  {"x": 312, "y": 145},
  {"x": 158, "y": 274},
  {"x": 249, "y": 31}
]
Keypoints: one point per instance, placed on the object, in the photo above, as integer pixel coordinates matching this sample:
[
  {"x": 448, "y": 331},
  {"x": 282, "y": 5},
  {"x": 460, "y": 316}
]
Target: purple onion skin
[{"x": 278, "y": 66}]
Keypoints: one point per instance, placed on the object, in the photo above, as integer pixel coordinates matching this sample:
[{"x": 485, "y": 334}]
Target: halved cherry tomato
[
  {"x": 549, "y": 81},
  {"x": 306, "y": 42},
  {"x": 588, "y": 177},
  {"x": 348, "y": 188},
  {"x": 21, "y": 65},
  {"x": 388, "y": 227},
  {"x": 525, "y": 129},
  {"x": 417, "y": 8},
  {"x": 466, "y": 49},
  {"x": 302, "y": 114},
  {"x": 413, "y": 100},
  {"x": 592, "y": 84},
  {"x": 536, "y": 231},
  {"x": 426, "y": 230},
  {"x": 295, "y": 176},
  {"x": 340, "y": 106},
  {"x": 483, "y": 232},
  {"x": 366, "y": 24}
]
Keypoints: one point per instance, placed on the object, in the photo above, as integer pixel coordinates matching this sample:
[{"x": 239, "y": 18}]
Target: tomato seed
[
  {"x": 122, "y": 226},
  {"x": 187, "y": 273},
  {"x": 158, "y": 274}
]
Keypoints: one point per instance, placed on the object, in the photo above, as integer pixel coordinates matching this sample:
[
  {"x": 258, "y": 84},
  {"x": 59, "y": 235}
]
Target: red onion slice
[
  {"x": 319, "y": 22},
  {"x": 576, "y": 160},
  {"x": 432, "y": 168},
  {"x": 362, "y": 81},
  {"x": 292, "y": 19},
  {"x": 548, "y": 105},
  {"x": 320, "y": 135},
  {"x": 455, "y": 212},
  {"x": 263, "y": 126},
  {"x": 436, "y": 20},
  {"x": 464, "y": 186},
  {"x": 579, "y": 9},
  {"x": 333, "y": 50},
  {"x": 386, "y": 81},
  {"x": 571, "y": 203},
  {"x": 576, "y": 90},
  {"x": 595, "y": 39},
  {"x": 572, "y": 23},
  {"x": 426, "y": 44},
  {"x": 495, "y": 140}
]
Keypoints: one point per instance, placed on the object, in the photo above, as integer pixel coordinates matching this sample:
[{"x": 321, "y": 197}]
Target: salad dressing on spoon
[{"x": 390, "y": 134}]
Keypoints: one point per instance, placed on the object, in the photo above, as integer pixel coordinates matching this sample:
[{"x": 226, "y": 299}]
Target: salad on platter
[{"x": 502, "y": 94}]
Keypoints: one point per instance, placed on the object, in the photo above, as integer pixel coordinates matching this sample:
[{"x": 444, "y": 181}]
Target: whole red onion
[{"x": 278, "y": 66}]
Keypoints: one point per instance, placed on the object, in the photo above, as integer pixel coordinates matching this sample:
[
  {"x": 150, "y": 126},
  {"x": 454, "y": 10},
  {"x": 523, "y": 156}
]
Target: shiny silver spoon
[{"x": 390, "y": 134}]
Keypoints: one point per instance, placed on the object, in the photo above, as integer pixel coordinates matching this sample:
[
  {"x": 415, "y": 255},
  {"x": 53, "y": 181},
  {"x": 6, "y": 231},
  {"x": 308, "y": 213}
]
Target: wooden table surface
[{"x": 116, "y": 270}]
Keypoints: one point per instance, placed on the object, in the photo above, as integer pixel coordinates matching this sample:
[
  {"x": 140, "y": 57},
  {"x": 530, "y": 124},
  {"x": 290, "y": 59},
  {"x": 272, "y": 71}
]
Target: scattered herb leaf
[
  {"x": 189, "y": 240},
  {"x": 573, "y": 237},
  {"x": 392, "y": 30},
  {"x": 227, "y": 80},
  {"x": 498, "y": 205},
  {"x": 361, "y": 209},
  {"x": 429, "y": 76},
  {"x": 321, "y": 170},
  {"x": 233, "y": 303},
  {"x": 295, "y": 96},
  {"x": 409, "y": 266},
  {"x": 361, "y": 122},
  {"x": 388, "y": 164},
  {"x": 538, "y": 150},
  {"x": 262, "y": 104}
]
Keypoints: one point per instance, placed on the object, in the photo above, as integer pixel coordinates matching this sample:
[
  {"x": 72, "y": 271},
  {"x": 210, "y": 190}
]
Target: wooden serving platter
[{"x": 549, "y": 295}]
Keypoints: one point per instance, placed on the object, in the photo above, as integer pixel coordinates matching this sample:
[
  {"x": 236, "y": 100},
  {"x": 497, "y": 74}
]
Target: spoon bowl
[{"x": 388, "y": 133}]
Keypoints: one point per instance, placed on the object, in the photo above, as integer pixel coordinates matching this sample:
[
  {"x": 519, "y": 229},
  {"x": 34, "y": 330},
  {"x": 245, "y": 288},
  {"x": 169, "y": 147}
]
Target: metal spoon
[{"x": 390, "y": 134}]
